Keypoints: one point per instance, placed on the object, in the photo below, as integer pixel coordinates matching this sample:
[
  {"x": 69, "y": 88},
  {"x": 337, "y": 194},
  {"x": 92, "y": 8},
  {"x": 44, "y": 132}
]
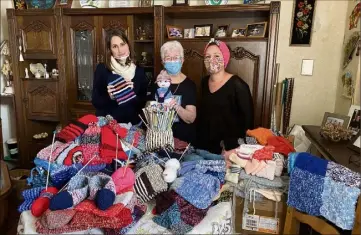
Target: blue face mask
[{"x": 173, "y": 67}]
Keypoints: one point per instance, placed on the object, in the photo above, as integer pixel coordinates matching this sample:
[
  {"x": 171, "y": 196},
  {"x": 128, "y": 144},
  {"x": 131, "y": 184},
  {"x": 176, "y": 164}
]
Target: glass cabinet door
[{"x": 84, "y": 63}]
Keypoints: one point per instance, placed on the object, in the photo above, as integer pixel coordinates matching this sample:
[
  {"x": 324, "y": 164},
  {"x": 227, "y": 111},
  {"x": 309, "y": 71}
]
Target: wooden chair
[{"x": 294, "y": 218}]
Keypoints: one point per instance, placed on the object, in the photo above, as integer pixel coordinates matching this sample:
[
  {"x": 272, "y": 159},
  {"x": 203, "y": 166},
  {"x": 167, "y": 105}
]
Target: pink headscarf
[{"x": 223, "y": 48}]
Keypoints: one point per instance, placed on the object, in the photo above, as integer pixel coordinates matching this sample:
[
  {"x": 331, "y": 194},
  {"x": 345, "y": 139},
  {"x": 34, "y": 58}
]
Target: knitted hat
[
  {"x": 123, "y": 178},
  {"x": 223, "y": 48},
  {"x": 75, "y": 128},
  {"x": 239, "y": 161},
  {"x": 198, "y": 189},
  {"x": 149, "y": 182},
  {"x": 76, "y": 192},
  {"x": 75, "y": 155}
]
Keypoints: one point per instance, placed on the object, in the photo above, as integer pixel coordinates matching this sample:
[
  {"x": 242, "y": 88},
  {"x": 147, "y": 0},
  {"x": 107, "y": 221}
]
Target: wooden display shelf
[{"x": 144, "y": 41}]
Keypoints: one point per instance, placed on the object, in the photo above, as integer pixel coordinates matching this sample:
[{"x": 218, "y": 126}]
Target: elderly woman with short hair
[{"x": 183, "y": 92}]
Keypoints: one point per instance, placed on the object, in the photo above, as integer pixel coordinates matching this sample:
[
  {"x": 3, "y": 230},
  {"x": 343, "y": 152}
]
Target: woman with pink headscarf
[{"x": 226, "y": 110}]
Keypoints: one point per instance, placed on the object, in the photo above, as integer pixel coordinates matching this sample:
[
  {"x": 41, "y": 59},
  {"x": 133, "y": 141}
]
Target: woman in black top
[
  {"x": 226, "y": 111},
  {"x": 119, "y": 87},
  {"x": 183, "y": 92}
]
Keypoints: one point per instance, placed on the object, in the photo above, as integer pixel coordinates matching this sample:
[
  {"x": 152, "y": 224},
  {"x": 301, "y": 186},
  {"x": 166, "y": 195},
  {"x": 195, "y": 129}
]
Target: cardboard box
[{"x": 263, "y": 222}]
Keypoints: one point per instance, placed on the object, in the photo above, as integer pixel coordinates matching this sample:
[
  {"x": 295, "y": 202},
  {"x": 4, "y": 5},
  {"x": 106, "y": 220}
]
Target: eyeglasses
[{"x": 175, "y": 58}]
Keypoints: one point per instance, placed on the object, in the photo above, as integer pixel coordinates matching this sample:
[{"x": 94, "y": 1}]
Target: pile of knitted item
[{"x": 323, "y": 188}]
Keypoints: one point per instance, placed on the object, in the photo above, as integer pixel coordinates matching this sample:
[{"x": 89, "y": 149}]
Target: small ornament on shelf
[
  {"x": 54, "y": 73},
  {"x": 46, "y": 74},
  {"x": 21, "y": 58},
  {"x": 37, "y": 74},
  {"x": 144, "y": 60},
  {"x": 26, "y": 73}
]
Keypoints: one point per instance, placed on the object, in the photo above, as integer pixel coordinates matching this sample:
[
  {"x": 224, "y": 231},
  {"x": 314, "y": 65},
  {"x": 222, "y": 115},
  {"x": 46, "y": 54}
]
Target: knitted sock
[
  {"x": 102, "y": 191},
  {"x": 122, "y": 92},
  {"x": 76, "y": 192},
  {"x": 239, "y": 161},
  {"x": 41, "y": 204},
  {"x": 62, "y": 175}
]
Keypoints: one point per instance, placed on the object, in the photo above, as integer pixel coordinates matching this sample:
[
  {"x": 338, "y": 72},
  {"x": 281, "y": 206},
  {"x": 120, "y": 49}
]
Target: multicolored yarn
[
  {"x": 38, "y": 177},
  {"x": 57, "y": 147},
  {"x": 98, "y": 182},
  {"x": 137, "y": 135},
  {"x": 44, "y": 164},
  {"x": 62, "y": 175},
  {"x": 66, "y": 152}
]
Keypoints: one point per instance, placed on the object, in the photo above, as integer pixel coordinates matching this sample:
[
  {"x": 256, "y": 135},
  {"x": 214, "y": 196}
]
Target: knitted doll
[{"x": 163, "y": 93}]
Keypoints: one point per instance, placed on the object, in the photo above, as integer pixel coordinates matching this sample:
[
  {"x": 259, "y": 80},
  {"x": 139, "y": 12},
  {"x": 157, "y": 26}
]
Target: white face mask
[{"x": 122, "y": 59}]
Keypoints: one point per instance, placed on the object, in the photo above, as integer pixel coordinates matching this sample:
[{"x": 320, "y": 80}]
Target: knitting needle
[
  {"x": 166, "y": 152},
  {"x": 144, "y": 122},
  {"x": 116, "y": 153},
  {"x": 130, "y": 154},
  {"x": 78, "y": 172},
  {"x": 51, "y": 153},
  {"x": 184, "y": 152}
]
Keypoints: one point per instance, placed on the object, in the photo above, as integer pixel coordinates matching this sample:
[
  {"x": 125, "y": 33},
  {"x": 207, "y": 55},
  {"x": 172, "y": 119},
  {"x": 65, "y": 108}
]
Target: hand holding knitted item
[{"x": 122, "y": 90}]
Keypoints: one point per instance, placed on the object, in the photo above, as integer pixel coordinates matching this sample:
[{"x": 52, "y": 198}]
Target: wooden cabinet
[
  {"x": 37, "y": 37},
  {"x": 73, "y": 41}
]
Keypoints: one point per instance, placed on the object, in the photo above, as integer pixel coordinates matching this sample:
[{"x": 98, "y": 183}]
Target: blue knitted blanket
[{"x": 323, "y": 188}]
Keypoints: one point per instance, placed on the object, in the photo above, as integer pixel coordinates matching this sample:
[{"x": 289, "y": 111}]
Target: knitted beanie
[
  {"x": 149, "y": 182},
  {"x": 102, "y": 190},
  {"x": 198, "y": 189},
  {"x": 65, "y": 152},
  {"x": 55, "y": 149},
  {"x": 109, "y": 144},
  {"x": 123, "y": 178},
  {"x": 77, "y": 191},
  {"x": 117, "y": 129},
  {"x": 122, "y": 92}
]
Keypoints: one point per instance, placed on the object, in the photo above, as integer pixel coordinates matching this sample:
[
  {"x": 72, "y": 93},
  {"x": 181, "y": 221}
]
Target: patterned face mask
[{"x": 214, "y": 65}]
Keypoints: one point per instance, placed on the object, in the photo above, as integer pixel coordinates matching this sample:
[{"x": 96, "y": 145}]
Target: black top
[
  {"x": 185, "y": 93},
  {"x": 224, "y": 115},
  {"x": 123, "y": 113}
]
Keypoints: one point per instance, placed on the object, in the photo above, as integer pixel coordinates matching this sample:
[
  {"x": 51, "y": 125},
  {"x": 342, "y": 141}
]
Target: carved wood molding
[
  {"x": 83, "y": 26},
  {"x": 42, "y": 91},
  {"x": 239, "y": 53},
  {"x": 158, "y": 11},
  {"x": 115, "y": 24},
  {"x": 36, "y": 26},
  {"x": 190, "y": 53},
  {"x": 275, "y": 7}
]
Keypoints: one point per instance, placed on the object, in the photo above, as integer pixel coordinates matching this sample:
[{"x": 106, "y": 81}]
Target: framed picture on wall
[
  {"x": 302, "y": 22},
  {"x": 174, "y": 31},
  {"x": 204, "y": 30},
  {"x": 257, "y": 30},
  {"x": 239, "y": 32}
]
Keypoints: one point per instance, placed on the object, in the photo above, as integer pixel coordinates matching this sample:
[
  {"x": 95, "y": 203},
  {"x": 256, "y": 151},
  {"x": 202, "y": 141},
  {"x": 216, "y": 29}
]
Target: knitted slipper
[
  {"x": 77, "y": 191},
  {"x": 102, "y": 190}
]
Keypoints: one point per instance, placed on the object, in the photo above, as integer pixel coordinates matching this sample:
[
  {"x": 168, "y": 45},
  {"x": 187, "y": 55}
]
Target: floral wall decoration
[
  {"x": 302, "y": 22},
  {"x": 350, "y": 48},
  {"x": 355, "y": 16}
]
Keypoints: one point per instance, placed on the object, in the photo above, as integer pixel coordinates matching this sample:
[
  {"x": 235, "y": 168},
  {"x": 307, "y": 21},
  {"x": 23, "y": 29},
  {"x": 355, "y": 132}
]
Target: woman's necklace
[{"x": 176, "y": 89}]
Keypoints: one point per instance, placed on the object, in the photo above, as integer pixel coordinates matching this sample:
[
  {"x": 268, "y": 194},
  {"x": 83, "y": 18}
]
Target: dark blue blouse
[{"x": 124, "y": 113}]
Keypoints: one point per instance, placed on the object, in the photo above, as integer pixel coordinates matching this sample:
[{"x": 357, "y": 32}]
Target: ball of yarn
[
  {"x": 169, "y": 174},
  {"x": 123, "y": 178},
  {"x": 170, "y": 171},
  {"x": 173, "y": 163},
  {"x": 41, "y": 204},
  {"x": 104, "y": 199}
]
